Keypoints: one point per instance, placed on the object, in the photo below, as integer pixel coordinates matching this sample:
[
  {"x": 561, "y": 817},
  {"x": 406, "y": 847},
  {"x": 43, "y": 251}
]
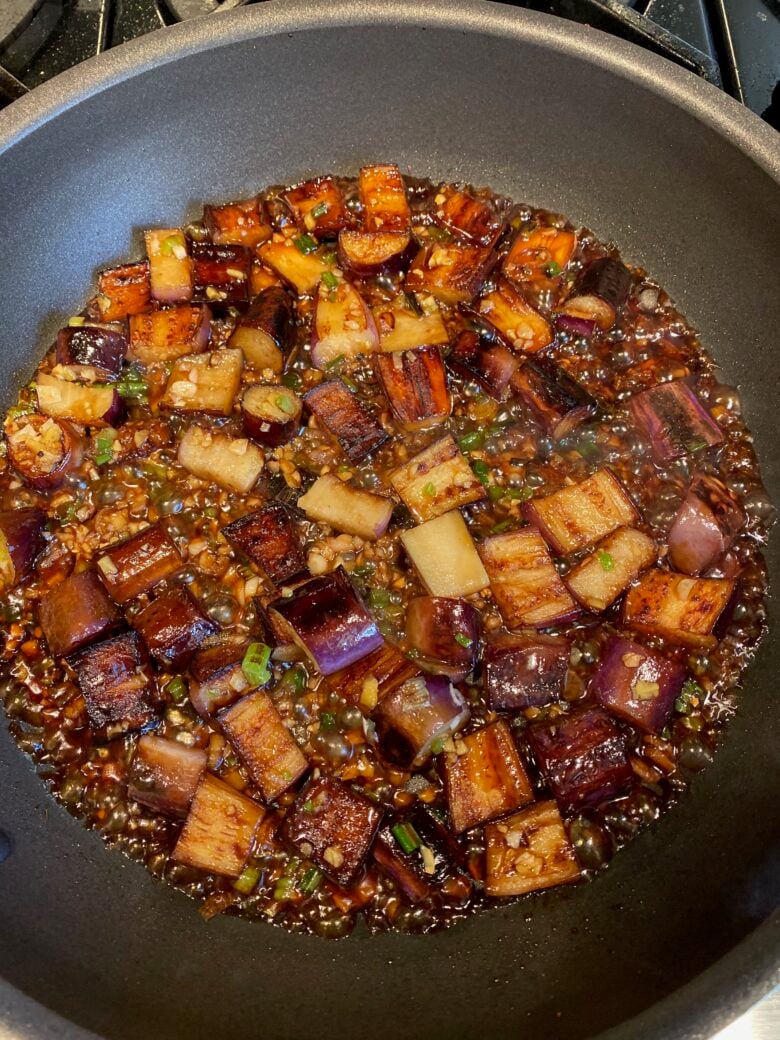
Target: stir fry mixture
[{"x": 375, "y": 548}]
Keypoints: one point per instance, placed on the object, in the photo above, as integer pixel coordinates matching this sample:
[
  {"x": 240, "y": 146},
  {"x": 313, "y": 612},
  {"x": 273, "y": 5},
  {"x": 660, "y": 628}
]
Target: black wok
[{"x": 677, "y": 937}]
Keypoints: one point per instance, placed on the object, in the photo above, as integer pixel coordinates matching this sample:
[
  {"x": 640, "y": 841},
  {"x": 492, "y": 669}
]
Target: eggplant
[
  {"x": 402, "y": 326},
  {"x": 77, "y": 612},
  {"x": 599, "y": 292},
  {"x": 705, "y": 526},
  {"x": 525, "y": 584},
  {"x": 218, "y": 678},
  {"x": 524, "y": 671},
  {"x": 219, "y": 832},
  {"x": 137, "y": 564},
  {"x": 415, "y": 384},
  {"x": 414, "y": 720},
  {"x": 170, "y": 266},
  {"x": 556, "y": 400},
  {"x": 528, "y": 851},
  {"x": 584, "y": 327},
  {"x": 581, "y": 514},
  {"x": 343, "y": 325},
  {"x": 674, "y": 421},
  {"x": 491, "y": 365},
  {"x": 367, "y": 681},
  {"x": 95, "y": 351},
  {"x": 353, "y": 510},
  {"x": 166, "y": 335},
  {"x": 97, "y": 405},
  {"x": 452, "y": 272},
  {"x": 474, "y": 220},
  {"x": 333, "y": 826},
  {"x": 329, "y": 621},
  {"x": 485, "y": 777},
  {"x": 266, "y": 331},
  {"x": 399, "y": 868},
  {"x": 637, "y": 684},
  {"x": 172, "y": 627},
  {"x": 269, "y": 538},
  {"x": 232, "y": 462},
  {"x": 301, "y": 270},
  {"x": 318, "y": 207},
  {"x": 583, "y": 758},
  {"x": 205, "y": 383},
  {"x": 436, "y": 480},
  {"x": 242, "y": 223},
  {"x": 344, "y": 417},
  {"x": 598, "y": 580},
  {"x": 368, "y": 253},
  {"x": 165, "y": 774},
  {"x": 443, "y": 553},
  {"x": 21, "y": 539},
  {"x": 115, "y": 682},
  {"x": 446, "y": 631},
  {"x": 677, "y": 607},
  {"x": 220, "y": 274},
  {"x": 271, "y": 414},
  {"x": 42, "y": 450},
  {"x": 383, "y": 197},
  {"x": 265, "y": 745},
  {"x": 538, "y": 256},
  {"x": 123, "y": 291},
  {"x": 519, "y": 324}
]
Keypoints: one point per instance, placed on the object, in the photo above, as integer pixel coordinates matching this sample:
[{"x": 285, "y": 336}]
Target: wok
[{"x": 678, "y": 935}]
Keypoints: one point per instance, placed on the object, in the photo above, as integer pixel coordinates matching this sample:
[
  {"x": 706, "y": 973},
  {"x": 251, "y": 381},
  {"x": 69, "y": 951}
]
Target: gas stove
[{"x": 734, "y": 44}]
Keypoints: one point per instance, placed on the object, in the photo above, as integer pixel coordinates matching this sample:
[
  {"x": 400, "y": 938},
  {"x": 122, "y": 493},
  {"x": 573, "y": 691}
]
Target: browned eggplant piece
[
  {"x": 346, "y": 419},
  {"x": 220, "y": 274},
  {"x": 333, "y": 826},
  {"x": 674, "y": 421},
  {"x": 583, "y": 758},
  {"x": 329, "y": 621},
  {"x": 265, "y": 332},
  {"x": 437, "y": 480},
  {"x": 343, "y": 325},
  {"x": 519, "y": 324},
  {"x": 492, "y": 365},
  {"x": 318, "y": 207},
  {"x": 21, "y": 539},
  {"x": 467, "y": 217},
  {"x": 242, "y": 223},
  {"x": 704, "y": 527},
  {"x": 270, "y": 539},
  {"x": 166, "y": 335},
  {"x": 94, "y": 405},
  {"x": 415, "y": 720},
  {"x": 415, "y": 384},
  {"x": 205, "y": 383},
  {"x": 266, "y": 746},
  {"x": 172, "y": 627},
  {"x": 346, "y": 508},
  {"x": 123, "y": 291},
  {"x": 170, "y": 266},
  {"x": 96, "y": 352},
  {"x": 116, "y": 686},
  {"x": 367, "y": 253},
  {"x": 606, "y": 573},
  {"x": 42, "y": 450},
  {"x": 637, "y": 684},
  {"x": 528, "y": 851},
  {"x": 220, "y": 829},
  {"x": 77, "y": 612},
  {"x": 408, "y": 321},
  {"x": 231, "y": 462},
  {"x": 451, "y": 271},
  {"x": 399, "y": 868},
  {"x": 485, "y": 780},
  {"x": 540, "y": 255},
  {"x": 301, "y": 269},
  {"x": 367, "y": 681},
  {"x": 524, "y": 671},
  {"x": 676, "y": 607},
  {"x": 218, "y": 678},
  {"x": 271, "y": 414},
  {"x": 164, "y": 774},
  {"x": 139, "y": 563},
  {"x": 556, "y": 400},
  {"x": 445, "y": 630},
  {"x": 383, "y": 195},
  {"x": 599, "y": 292}
]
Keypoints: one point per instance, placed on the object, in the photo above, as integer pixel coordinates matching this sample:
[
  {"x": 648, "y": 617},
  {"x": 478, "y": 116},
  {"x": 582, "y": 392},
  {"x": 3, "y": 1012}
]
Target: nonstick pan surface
[{"x": 678, "y": 935}]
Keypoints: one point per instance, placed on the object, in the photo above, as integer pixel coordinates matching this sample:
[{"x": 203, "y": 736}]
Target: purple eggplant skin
[
  {"x": 583, "y": 757},
  {"x": 399, "y": 868},
  {"x": 77, "y": 612},
  {"x": 491, "y": 365},
  {"x": 32, "y": 464},
  {"x": 608, "y": 279},
  {"x": 705, "y": 526},
  {"x": 674, "y": 420},
  {"x": 218, "y": 679},
  {"x": 345, "y": 418},
  {"x": 637, "y": 684},
  {"x": 173, "y": 627},
  {"x": 556, "y": 400},
  {"x": 139, "y": 563},
  {"x": 23, "y": 533},
  {"x": 164, "y": 774},
  {"x": 446, "y": 630},
  {"x": 584, "y": 327},
  {"x": 116, "y": 413},
  {"x": 98, "y": 346},
  {"x": 330, "y": 621},
  {"x": 272, "y": 311},
  {"x": 412, "y": 718},
  {"x": 524, "y": 671},
  {"x": 270, "y": 539},
  {"x": 221, "y": 274},
  {"x": 113, "y": 679}
]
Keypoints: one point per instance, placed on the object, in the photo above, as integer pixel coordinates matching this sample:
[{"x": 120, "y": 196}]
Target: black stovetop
[{"x": 732, "y": 43}]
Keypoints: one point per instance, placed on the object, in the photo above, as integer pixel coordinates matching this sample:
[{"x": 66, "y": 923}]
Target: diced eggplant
[
  {"x": 220, "y": 274},
  {"x": 346, "y": 419},
  {"x": 525, "y": 584},
  {"x": 170, "y": 266},
  {"x": 555, "y": 399},
  {"x": 138, "y": 564},
  {"x": 123, "y": 291},
  {"x": 114, "y": 682},
  {"x": 492, "y": 365},
  {"x": 95, "y": 352},
  {"x": 205, "y": 383},
  {"x": 367, "y": 253},
  {"x": 318, "y": 207},
  {"x": 582, "y": 756},
  {"x": 169, "y": 334},
  {"x": 329, "y": 622},
  {"x": 676, "y": 607},
  {"x": 599, "y": 292},
  {"x": 539, "y": 255},
  {"x": 266, "y": 746},
  {"x": 263, "y": 278},
  {"x": 485, "y": 780},
  {"x": 218, "y": 678},
  {"x": 415, "y": 719},
  {"x": 584, "y": 327},
  {"x": 399, "y": 868},
  {"x": 582, "y": 514},
  {"x": 231, "y": 462},
  {"x": 404, "y": 327},
  {"x": 367, "y": 681},
  {"x": 601, "y": 577},
  {"x": 164, "y": 774},
  {"x": 474, "y": 220},
  {"x": 271, "y": 541},
  {"x": 637, "y": 684},
  {"x": 445, "y": 557},
  {"x": 445, "y": 631},
  {"x": 42, "y": 450},
  {"x": 704, "y": 527},
  {"x": 21, "y": 539},
  {"x": 512, "y": 316},
  {"x": 674, "y": 421},
  {"x": 524, "y": 671},
  {"x": 266, "y": 331},
  {"x": 96, "y": 405},
  {"x": 415, "y": 384},
  {"x": 77, "y": 612},
  {"x": 347, "y": 508},
  {"x": 527, "y": 852},
  {"x": 302, "y": 271},
  {"x": 343, "y": 325},
  {"x": 383, "y": 195},
  {"x": 333, "y": 826},
  {"x": 220, "y": 829},
  {"x": 242, "y": 223},
  {"x": 271, "y": 414},
  {"x": 437, "y": 480},
  {"x": 172, "y": 627},
  {"x": 451, "y": 271}
]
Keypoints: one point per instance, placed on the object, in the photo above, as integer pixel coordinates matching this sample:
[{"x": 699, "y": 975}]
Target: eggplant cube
[
  {"x": 437, "y": 480},
  {"x": 220, "y": 274},
  {"x": 219, "y": 832},
  {"x": 445, "y": 557},
  {"x": 170, "y": 266},
  {"x": 42, "y": 450},
  {"x": 301, "y": 271},
  {"x": 139, "y": 563},
  {"x": 401, "y": 327},
  {"x": 346, "y": 508},
  {"x": 92, "y": 352},
  {"x": 173, "y": 627},
  {"x": 271, "y": 414},
  {"x": 399, "y": 868},
  {"x": 524, "y": 671},
  {"x": 704, "y": 527},
  {"x": 115, "y": 686},
  {"x": 554, "y": 398},
  {"x": 232, "y": 462},
  {"x": 676, "y": 607},
  {"x": 123, "y": 291},
  {"x": 445, "y": 630},
  {"x": 218, "y": 678},
  {"x": 164, "y": 774},
  {"x": 472, "y": 219},
  {"x": 242, "y": 223},
  {"x": 265, "y": 332},
  {"x": 346, "y": 419},
  {"x": 343, "y": 326},
  {"x": 415, "y": 719},
  {"x": 206, "y": 383},
  {"x": 318, "y": 207},
  {"x": 367, "y": 681},
  {"x": 383, "y": 195},
  {"x": 601, "y": 577},
  {"x": 528, "y": 851},
  {"x": 487, "y": 779},
  {"x": 366, "y": 253},
  {"x": 600, "y": 291},
  {"x": 534, "y": 255},
  {"x": 492, "y": 365},
  {"x": 94, "y": 405},
  {"x": 519, "y": 324},
  {"x": 21, "y": 539},
  {"x": 637, "y": 684},
  {"x": 453, "y": 272},
  {"x": 674, "y": 421},
  {"x": 77, "y": 612},
  {"x": 415, "y": 384},
  {"x": 270, "y": 539},
  {"x": 166, "y": 335}
]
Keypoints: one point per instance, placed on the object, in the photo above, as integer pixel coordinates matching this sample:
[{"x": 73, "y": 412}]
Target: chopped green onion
[
  {"x": 495, "y": 493},
  {"x": 18, "y": 410},
  {"x": 310, "y": 881},
  {"x": 690, "y": 692},
  {"x": 437, "y": 746},
  {"x": 246, "y": 881},
  {"x": 379, "y": 598},
  {"x": 320, "y": 210},
  {"x": 429, "y": 489},
  {"x": 104, "y": 447},
  {"x": 606, "y": 560},
  {"x": 414, "y": 304},
  {"x": 407, "y": 837},
  {"x": 77, "y": 321},
  {"x": 587, "y": 448},
  {"x": 553, "y": 269},
  {"x": 294, "y": 679},
  {"x": 155, "y": 470},
  {"x": 520, "y": 494},
  {"x": 481, "y": 471},
  {"x": 284, "y": 403},
  {"x": 292, "y": 380},
  {"x": 413, "y": 653},
  {"x": 463, "y": 639},
  {"x": 177, "y": 689},
  {"x": 305, "y": 244},
  {"x": 329, "y": 258},
  {"x": 255, "y": 663},
  {"x": 503, "y": 526},
  {"x": 169, "y": 245},
  {"x": 327, "y": 720},
  {"x": 132, "y": 385},
  {"x": 285, "y": 889},
  {"x": 365, "y": 570},
  {"x": 696, "y": 446},
  {"x": 211, "y": 512},
  {"x": 309, "y": 806},
  {"x": 330, "y": 280},
  {"x": 335, "y": 362},
  {"x": 472, "y": 440},
  {"x": 350, "y": 384}
]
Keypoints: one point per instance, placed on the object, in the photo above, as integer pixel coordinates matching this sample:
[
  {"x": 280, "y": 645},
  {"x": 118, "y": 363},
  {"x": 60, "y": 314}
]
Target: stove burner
[
  {"x": 184, "y": 9},
  {"x": 15, "y": 15}
]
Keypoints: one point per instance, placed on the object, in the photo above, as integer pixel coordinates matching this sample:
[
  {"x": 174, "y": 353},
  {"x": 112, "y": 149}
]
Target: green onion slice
[{"x": 255, "y": 663}]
